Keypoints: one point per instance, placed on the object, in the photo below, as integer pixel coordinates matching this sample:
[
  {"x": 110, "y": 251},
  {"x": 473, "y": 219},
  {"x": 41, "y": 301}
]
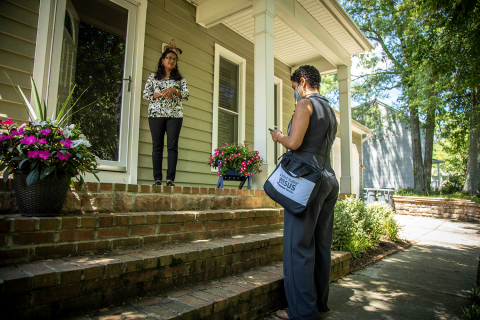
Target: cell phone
[{"x": 270, "y": 129}]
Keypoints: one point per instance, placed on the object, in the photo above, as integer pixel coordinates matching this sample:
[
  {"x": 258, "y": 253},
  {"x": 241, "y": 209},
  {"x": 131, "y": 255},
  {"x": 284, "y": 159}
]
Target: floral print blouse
[{"x": 163, "y": 107}]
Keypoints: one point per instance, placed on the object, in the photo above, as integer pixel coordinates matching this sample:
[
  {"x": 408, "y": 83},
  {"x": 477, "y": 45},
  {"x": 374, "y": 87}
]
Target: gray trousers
[{"x": 307, "y": 256}]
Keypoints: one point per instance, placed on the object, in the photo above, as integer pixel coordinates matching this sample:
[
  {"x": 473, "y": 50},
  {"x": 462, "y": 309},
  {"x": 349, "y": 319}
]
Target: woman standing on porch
[
  {"x": 308, "y": 236},
  {"x": 165, "y": 89}
]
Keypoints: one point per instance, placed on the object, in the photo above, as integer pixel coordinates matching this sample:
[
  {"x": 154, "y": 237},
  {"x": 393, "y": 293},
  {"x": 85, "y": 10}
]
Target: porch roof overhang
[
  {"x": 316, "y": 32},
  {"x": 357, "y": 127}
]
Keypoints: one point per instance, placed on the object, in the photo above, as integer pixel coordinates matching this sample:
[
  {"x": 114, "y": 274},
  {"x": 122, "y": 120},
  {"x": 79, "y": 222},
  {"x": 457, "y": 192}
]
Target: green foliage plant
[
  {"x": 358, "y": 226},
  {"x": 237, "y": 157},
  {"x": 472, "y": 311},
  {"x": 44, "y": 146}
]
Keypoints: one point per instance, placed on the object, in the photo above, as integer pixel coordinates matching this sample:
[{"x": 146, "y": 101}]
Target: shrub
[
  {"x": 358, "y": 227},
  {"x": 386, "y": 224},
  {"x": 472, "y": 311},
  {"x": 453, "y": 184}
]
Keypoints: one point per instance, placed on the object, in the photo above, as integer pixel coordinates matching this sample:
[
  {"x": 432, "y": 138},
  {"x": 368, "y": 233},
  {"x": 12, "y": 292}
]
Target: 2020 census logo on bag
[{"x": 287, "y": 183}]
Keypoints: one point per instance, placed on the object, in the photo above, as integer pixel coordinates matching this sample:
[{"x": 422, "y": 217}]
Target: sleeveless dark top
[{"x": 314, "y": 145}]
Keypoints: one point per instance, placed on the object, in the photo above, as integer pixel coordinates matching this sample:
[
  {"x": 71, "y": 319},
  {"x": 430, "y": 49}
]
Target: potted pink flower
[
  {"x": 235, "y": 162},
  {"x": 43, "y": 156}
]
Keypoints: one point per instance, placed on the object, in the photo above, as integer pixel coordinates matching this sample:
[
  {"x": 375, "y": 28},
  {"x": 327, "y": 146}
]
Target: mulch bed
[{"x": 379, "y": 251}]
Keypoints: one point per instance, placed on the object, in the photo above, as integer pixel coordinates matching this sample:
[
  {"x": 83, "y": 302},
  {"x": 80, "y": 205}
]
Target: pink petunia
[
  {"x": 5, "y": 137},
  {"x": 44, "y": 154},
  {"x": 33, "y": 154},
  {"x": 223, "y": 153},
  {"x": 218, "y": 172},
  {"x": 45, "y": 131},
  {"x": 8, "y": 122},
  {"x": 63, "y": 157},
  {"x": 66, "y": 143},
  {"x": 18, "y": 132},
  {"x": 239, "y": 154},
  {"x": 43, "y": 140},
  {"x": 28, "y": 140}
]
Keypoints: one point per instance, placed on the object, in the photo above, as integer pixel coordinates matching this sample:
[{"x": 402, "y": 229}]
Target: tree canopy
[{"x": 427, "y": 50}]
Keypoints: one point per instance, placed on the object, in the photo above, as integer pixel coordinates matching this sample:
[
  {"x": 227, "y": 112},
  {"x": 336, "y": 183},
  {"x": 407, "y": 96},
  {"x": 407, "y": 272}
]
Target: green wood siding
[
  {"x": 173, "y": 19},
  {"x": 18, "y": 32}
]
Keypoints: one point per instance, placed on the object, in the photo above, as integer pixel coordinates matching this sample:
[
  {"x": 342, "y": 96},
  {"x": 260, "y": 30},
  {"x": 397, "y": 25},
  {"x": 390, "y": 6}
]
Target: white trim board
[{"x": 242, "y": 74}]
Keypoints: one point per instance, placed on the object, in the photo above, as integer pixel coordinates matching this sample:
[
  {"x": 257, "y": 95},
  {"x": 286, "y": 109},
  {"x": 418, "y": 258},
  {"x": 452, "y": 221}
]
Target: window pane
[
  {"x": 228, "y": 85},
  {"x": 227, "y": 128}
]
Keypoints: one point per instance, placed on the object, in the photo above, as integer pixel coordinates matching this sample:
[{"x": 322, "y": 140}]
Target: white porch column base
[
  {"x": 259, "y": 179},
  {"x": 264, "y": 13},
  {"x": 344, "y": 79},
  {"x": 346, "y": 184}
]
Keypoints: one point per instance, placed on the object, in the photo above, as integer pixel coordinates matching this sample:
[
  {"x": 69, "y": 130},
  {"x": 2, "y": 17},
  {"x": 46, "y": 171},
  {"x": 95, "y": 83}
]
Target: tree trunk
[
  {"x": 418, "y": 172},
  {"x": 472, "y": 180},
  {"x": 427, "y": 160}
]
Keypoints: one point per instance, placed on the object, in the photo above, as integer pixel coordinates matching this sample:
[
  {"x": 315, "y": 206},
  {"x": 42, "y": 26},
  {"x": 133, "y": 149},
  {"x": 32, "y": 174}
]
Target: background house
[
  {"x": 387, "y": 156},
  {"x": 246, "y": 48}
]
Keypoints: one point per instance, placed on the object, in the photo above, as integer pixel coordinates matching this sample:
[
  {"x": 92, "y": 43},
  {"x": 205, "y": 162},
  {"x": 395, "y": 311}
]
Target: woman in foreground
[{"x": 308, "y": 236}]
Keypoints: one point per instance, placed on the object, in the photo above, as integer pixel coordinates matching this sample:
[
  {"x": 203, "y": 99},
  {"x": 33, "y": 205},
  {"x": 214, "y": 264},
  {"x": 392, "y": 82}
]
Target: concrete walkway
[{"x": 430, "y": 280}]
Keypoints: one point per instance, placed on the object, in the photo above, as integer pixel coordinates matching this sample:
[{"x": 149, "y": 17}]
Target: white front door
[{"x": 93, "y": 51}]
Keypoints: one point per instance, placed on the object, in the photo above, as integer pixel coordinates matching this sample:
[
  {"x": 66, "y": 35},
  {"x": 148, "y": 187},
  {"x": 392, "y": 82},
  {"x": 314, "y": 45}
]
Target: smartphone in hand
[{"x": 270, "y": 129}]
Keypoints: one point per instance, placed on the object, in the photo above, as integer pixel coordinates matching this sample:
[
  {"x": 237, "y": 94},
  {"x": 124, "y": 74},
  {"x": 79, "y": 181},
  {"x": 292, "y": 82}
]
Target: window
[
  {"x": 227, "y": 103},
  {"x": 96, "y": 53},
  {"x": 228, "y": 98}
]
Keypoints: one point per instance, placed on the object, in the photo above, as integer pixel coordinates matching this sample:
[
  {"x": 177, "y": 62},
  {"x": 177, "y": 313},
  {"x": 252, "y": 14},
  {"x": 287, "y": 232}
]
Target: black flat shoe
[
  {"x": 170, "y": 184},
  {"x": 158, "y": 183}
]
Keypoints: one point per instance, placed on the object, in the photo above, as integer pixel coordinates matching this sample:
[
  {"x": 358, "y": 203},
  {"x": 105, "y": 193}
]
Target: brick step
[
  {"x": 247, "y": 295},
  {"x": 49, "y": 288},
  {"x": 28, "y": 239},
  {"x": 118, "y": 197}
]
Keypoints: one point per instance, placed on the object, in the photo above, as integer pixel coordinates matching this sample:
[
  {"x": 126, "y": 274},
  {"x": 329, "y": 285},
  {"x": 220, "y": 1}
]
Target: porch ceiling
[
  {"x": 289, "y": 47},
  {"x": 330, "y": 15},
  {"x": 293, "y": 48}
]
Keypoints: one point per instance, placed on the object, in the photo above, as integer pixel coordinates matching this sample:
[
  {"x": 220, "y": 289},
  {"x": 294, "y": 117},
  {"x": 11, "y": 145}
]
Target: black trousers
[
  {"x": 307, "y": 254},
  {"x": 158, "y": 127}
]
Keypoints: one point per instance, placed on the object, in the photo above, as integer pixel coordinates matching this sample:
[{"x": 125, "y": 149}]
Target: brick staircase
[{"x": 221, "y": 260}]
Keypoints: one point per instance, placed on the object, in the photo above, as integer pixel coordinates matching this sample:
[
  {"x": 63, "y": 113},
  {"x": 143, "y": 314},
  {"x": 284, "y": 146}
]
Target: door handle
[{"x": 129, "y": 79}]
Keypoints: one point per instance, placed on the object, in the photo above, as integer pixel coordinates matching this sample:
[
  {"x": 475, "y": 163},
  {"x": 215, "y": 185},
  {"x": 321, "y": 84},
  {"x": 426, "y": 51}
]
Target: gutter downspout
[{"x": 369, "y": 135}]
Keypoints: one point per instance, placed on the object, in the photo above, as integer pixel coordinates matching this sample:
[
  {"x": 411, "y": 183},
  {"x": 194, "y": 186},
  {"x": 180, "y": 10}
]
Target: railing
[{"x": 380, "y": 195}]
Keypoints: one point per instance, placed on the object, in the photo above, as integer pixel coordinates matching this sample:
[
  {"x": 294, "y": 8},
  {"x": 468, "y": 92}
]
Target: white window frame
[
  {"x": 242, "y": 75},
  {"x": 42, "y": 75},
  {"x": 279, "y": 83}
]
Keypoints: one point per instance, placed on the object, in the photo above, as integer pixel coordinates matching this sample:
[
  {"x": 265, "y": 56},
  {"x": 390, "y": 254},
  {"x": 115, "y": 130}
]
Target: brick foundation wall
[{"x": 438, "y": 208}]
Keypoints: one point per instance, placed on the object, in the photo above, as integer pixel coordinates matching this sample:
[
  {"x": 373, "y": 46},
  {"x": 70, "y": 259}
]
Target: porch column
[
  {"x": 264, "y": 13},
  {"x": 344, "y": 79}
]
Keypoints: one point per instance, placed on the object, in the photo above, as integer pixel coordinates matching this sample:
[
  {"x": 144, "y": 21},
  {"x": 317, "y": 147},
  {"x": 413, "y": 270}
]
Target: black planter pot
[{"x": 44, "y": 198}]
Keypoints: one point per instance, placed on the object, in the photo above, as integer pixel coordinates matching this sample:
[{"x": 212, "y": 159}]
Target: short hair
[{"x": 310, "y": 73}]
